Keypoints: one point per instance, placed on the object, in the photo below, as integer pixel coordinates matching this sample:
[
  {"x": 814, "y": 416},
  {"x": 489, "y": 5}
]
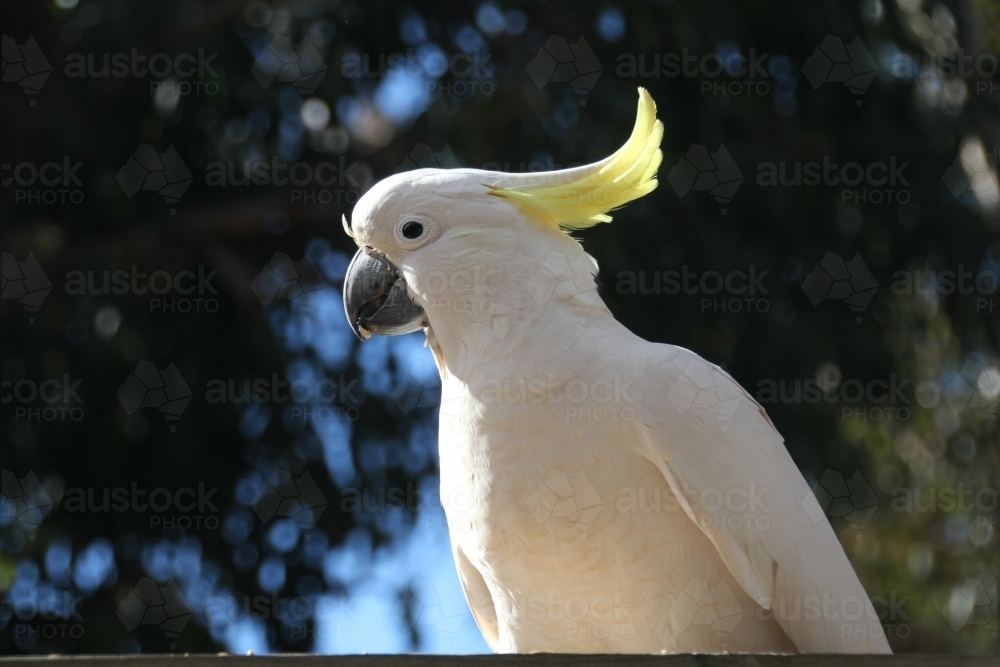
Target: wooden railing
[{"x": 537, "y": 660}]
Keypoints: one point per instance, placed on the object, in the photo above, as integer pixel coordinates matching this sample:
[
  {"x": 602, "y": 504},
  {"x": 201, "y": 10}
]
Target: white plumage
[{"x": 603, "y": 493}]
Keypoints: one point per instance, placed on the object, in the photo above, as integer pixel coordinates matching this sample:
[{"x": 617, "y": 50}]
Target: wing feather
[
  {"x": 727, "y": 465},
  {"x": 479, "y": 598}
]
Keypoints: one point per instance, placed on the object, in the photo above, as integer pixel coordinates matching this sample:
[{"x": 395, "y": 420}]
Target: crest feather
[{"x": 582, "y": 197}]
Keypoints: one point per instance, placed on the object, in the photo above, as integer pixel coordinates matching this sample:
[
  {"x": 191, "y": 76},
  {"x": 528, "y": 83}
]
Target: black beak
[{"x": 376, "y": 300}]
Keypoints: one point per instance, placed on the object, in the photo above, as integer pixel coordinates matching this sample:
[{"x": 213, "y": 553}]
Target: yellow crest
[{"x": 582, "y": 197}]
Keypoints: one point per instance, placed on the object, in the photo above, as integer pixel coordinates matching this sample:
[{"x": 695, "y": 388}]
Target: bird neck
[{"x": 510, "y": 316}]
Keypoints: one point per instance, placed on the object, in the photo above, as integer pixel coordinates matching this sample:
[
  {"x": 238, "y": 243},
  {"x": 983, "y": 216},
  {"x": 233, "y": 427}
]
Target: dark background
[{"x": 362, "y": 535}]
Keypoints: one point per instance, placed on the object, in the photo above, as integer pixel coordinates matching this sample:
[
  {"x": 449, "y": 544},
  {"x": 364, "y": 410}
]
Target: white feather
[{"x": 581, "y": 465}]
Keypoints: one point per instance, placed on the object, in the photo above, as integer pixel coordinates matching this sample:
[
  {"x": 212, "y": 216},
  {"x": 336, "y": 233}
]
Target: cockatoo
[{"x": 603, "y": 494}]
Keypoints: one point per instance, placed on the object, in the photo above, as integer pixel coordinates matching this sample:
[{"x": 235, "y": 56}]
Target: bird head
[{"x": 457, "y": 249}]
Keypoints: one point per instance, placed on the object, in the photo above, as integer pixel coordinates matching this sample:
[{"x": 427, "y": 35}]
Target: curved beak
[{"x": 376, "y": 300}]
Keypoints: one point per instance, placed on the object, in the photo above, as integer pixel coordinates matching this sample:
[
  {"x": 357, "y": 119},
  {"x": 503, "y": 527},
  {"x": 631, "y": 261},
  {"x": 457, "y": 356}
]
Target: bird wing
[
  {"x": 479, "y": 598},
  {"x": 728, "y": 467}
]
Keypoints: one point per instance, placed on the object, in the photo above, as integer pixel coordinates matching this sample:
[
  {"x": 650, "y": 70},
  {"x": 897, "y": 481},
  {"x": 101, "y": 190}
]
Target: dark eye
[{"x": 412, "y": 229}]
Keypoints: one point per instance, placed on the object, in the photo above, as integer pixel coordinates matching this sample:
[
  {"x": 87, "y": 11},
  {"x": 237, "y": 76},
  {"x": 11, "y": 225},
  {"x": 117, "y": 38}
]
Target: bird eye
[{"x": 412, "y": 229}]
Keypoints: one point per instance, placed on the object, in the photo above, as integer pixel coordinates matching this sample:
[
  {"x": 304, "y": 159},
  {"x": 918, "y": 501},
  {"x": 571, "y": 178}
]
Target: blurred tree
[{"x": 227, "y": 139}]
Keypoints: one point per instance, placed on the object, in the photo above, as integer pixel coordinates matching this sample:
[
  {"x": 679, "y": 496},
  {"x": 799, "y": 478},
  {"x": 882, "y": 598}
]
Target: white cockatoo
[{"x": 604, "y": 494}]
